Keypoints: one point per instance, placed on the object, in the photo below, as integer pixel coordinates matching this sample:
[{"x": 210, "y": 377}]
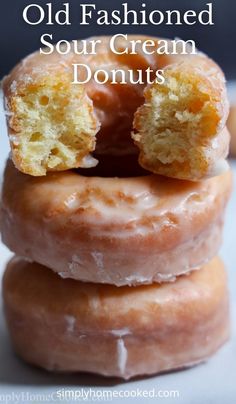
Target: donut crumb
[
  {"x": 176, "y": 124},
  {"x": 53, "y": 123}
]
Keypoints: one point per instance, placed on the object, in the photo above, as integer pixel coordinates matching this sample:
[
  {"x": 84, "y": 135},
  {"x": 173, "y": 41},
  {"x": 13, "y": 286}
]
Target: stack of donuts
[{"x": 113, "y": 202}]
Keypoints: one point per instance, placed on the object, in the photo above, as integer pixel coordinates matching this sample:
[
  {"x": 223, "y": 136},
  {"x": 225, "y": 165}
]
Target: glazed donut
[
  {"x": 53, "y": 123},
  {"x": 122, "y": 231},
  {"x": 66, "y": 325},
  {"x": 231, "y": 124}
]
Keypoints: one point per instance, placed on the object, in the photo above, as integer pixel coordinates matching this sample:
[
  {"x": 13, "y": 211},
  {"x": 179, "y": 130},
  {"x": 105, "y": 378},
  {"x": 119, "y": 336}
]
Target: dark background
[{"x": 219, "y": 41}]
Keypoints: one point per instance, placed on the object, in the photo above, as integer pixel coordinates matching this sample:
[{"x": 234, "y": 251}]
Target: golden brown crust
[
  {"x": 65, "y": 325},
  {"x": 113, "y": 230}
]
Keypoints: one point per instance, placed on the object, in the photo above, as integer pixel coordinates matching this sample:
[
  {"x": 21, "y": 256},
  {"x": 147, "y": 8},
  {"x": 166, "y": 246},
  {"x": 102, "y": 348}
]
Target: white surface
[{"x": 210, "y": 383}]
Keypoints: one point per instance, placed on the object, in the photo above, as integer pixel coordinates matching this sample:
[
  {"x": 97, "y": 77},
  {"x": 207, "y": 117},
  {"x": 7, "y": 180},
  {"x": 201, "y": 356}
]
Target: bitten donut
[
  {"x": 55, "y": 124},
  {"x": 180, "y": 128},
  {"x": 66, "y": 325},
  {"x": 122, "y": 231}
]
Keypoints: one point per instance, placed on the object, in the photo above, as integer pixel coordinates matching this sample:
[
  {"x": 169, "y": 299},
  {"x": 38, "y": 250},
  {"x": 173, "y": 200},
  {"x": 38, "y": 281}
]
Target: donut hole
[
  {"x": 115, "y": 166},
  {"x": 115, "y": 106}
]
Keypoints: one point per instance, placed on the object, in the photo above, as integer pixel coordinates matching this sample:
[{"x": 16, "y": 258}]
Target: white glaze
[
  {"x": 98, "y": 259},
  {"x": 220, "y": 167},
  {"x": 13, "y": 86},
  {"x": 70, "y": 323},
  {"x": 88, "y": 162},
  {"x": 122, "y": 354},
  {"x": 120, "y": 333},
  {"x": 14, "y": 139},
  {"x": 70, "y": 202},
  {"x": 75, "y": 264}
]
